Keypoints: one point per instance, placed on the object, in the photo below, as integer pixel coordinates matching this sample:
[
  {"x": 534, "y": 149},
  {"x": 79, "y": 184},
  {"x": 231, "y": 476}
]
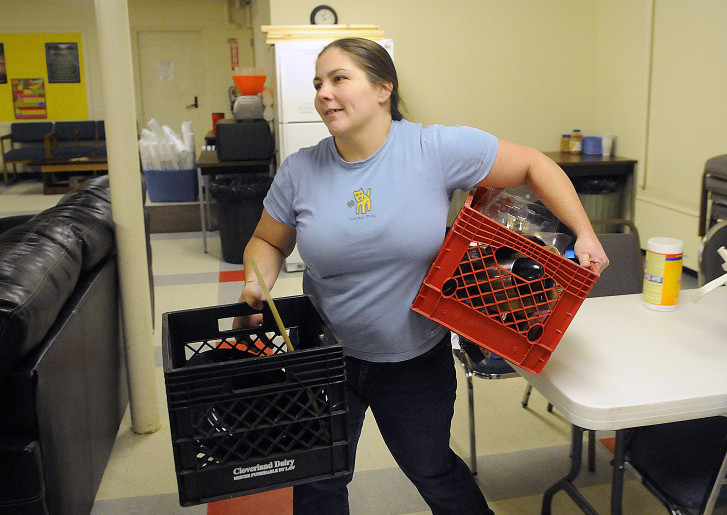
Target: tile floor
[{"x": 520, "y": 451}]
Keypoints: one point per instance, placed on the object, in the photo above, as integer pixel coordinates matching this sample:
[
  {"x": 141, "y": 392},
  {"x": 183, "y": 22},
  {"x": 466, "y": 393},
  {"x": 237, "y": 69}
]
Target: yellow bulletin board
[{"x": 25, "y": 58}]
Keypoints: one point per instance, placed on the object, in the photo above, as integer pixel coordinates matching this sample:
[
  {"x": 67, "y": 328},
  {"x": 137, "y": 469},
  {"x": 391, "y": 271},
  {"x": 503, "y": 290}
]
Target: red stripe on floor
[
  {"x": 274, "y": 502},
  {"x": 232, "y": 276},
  {"x": 609, "y": 443}
]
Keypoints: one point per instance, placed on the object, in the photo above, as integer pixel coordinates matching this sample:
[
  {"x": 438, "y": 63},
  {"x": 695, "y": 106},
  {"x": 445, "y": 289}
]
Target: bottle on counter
[
  {"x": 565, "y": 143},
  {"x": 576, "y": 141}
]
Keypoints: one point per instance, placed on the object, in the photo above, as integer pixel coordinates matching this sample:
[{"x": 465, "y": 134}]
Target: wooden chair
[
  {"x": 27, "y": 143},
  {"x": 100, "y": 139},
  {"x": 73, "y": 139}
]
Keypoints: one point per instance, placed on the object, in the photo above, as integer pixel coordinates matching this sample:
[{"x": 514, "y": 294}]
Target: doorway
[{"x": 170, "y": 66}]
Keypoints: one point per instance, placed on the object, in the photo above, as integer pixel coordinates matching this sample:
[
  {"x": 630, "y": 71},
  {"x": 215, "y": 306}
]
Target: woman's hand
[
  {"x": 589, "y": 252},
  {"x": 252, "y": 295},
  {"x": 269, "y": 245},
  {"x": 517, "y": 164}
]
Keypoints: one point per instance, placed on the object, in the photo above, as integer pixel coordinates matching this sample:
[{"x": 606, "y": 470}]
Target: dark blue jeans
[{"x": 413, "y": 404}]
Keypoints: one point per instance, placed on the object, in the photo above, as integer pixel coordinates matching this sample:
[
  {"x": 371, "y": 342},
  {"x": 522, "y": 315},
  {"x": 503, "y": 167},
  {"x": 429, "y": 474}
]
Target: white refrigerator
[{"x": 297, "y": 122}]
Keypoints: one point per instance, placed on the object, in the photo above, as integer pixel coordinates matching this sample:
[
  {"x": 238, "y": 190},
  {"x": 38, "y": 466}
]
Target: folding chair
[
  {"x": 478, "y": 362},
  {"x": 624, "y": 275},
  {"x": 682, "y": 463},
  {"x": 710, "y": 263}
]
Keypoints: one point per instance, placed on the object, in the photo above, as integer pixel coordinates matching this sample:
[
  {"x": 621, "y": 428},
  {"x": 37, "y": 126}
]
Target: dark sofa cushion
[
  {"x": 70, "y": 392},
  {"x": 22, "y": 487},
  {"x": 41, "y": 261},
  {"x": 9, "y": 222},
  {"x": 87, "y": 209},
  {"x": 97, "y": 189}
]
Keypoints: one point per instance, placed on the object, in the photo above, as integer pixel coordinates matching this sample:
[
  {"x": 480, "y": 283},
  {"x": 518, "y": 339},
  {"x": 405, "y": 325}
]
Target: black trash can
[
  {"x": 601, "y": 198},
  {"x": 240, "y": 202}
]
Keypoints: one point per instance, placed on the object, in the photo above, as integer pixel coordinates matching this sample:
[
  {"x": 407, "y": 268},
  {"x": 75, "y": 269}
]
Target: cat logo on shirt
[{"x": 363, "y": 201}]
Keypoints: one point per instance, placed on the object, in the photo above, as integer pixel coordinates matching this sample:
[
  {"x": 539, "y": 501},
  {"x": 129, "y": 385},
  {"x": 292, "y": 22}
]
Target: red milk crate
[{"x": 470, "y": 290}]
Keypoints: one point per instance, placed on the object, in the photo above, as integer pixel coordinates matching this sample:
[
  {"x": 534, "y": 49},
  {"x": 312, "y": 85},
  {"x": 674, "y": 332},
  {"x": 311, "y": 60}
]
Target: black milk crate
[{"x": 247, "y": 415}]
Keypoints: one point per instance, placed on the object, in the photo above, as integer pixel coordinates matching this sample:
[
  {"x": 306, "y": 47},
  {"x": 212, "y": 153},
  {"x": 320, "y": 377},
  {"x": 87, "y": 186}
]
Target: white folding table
[{"x": 620, "y": 365}]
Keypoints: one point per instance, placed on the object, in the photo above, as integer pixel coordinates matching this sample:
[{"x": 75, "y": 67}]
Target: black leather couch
[{"x": 63, "y": 386}]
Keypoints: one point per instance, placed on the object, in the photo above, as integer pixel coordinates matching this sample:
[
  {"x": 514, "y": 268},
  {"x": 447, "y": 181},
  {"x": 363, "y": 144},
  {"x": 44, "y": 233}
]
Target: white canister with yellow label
[{"x": 663, "y": 273}]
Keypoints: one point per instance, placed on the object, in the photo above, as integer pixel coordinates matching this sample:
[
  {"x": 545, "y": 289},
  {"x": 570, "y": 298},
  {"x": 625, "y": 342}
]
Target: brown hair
[{"x": 373, "y": 59}]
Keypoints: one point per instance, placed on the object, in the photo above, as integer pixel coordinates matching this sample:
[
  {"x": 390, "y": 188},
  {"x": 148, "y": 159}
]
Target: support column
[{"x": 112, "y": 27}]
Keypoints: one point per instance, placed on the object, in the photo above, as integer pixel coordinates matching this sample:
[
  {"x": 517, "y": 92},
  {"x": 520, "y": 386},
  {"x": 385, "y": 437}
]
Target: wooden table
[{"x": 51, "y": 166}]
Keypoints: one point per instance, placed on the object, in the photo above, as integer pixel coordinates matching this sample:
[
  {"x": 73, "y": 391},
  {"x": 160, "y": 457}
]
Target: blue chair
[
  {"x": 100, "y": 139},
  {"x": 27, "y": 143},
  {"x": 74, "y": 139}
]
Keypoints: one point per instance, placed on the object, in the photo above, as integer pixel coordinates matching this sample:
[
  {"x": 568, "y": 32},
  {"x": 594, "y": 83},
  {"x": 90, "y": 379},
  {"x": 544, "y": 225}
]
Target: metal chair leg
[
  {"x": 471, "y": 401},
  {"x": 526, "y": 396},
  {"x": 591, "y": 450}
]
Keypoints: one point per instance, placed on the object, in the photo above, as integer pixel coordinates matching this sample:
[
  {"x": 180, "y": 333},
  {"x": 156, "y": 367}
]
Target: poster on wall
[
  {"x": 234, "y": 53},
  {"x": 62, "y": 62},
  {"x": 3, "y": 70},
  {"x": 29, "y": 98}
]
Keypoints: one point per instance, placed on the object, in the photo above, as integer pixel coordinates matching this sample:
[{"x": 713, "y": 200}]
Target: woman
[{"x": 368, "y": 208}]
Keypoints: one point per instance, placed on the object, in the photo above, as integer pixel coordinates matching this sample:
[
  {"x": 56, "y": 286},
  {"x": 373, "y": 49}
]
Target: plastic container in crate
[
  {"x": 171, "y": 185},
  {"x": 246, "y": 415},
  {"x": 472, "y": 290}
]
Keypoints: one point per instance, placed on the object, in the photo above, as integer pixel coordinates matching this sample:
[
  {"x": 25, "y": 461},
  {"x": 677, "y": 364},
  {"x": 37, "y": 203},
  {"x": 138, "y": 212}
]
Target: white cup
[{"x": 606, "y": 144}]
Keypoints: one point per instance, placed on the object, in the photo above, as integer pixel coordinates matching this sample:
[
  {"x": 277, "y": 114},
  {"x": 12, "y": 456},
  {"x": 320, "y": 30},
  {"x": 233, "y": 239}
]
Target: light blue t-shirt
[{"x": 368, "y": 231}]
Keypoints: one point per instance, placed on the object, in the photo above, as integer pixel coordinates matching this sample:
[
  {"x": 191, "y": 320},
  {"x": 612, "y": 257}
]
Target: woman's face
[{"x": 346, "y": 100}]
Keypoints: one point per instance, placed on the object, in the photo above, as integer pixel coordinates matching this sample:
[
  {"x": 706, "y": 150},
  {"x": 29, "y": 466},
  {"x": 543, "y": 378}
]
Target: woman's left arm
[{"x": 518, "y": 164}]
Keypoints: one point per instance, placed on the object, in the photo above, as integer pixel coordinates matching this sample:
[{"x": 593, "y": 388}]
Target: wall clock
[{"x": 323, "y": 15}]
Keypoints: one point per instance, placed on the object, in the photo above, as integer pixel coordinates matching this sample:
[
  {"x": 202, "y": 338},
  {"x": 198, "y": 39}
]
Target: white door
[
  {"x": 295, "y": 63},
  {"x": 169, "y": 65},
  {"x": 294, "y": 136}
]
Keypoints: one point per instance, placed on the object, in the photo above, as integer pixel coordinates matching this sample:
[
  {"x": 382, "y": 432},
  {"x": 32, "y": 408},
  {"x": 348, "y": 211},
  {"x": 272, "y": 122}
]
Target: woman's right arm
[{"x": 270, "y": 244}]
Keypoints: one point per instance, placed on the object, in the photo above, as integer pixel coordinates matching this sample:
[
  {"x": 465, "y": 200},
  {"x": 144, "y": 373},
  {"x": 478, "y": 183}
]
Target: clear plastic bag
[{"x": 522, "y": 213}]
